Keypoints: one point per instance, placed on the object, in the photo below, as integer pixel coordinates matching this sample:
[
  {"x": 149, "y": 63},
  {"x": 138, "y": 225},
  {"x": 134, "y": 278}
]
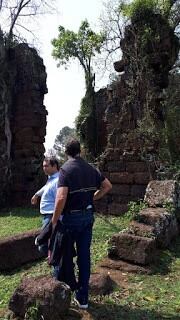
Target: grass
[
  {"x": 16, "y": 221},
  {"x": 145, "y": 297}
]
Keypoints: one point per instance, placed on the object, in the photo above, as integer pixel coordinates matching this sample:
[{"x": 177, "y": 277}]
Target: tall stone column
[
  {"x": 135, "y": 112},
  {"x": 28, "y": 123}
]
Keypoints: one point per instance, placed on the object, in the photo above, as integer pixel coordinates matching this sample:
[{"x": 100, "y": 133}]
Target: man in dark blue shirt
[{"x": 79, "y": 185}]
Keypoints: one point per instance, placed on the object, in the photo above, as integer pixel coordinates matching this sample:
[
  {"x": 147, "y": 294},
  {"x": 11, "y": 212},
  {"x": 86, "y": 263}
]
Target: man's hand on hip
[{"x": 34, "y": 200}]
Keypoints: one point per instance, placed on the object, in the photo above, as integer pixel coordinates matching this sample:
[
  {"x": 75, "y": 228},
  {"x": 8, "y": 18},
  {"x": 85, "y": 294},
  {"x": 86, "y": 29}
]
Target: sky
[{"x": 65, "y": 87}]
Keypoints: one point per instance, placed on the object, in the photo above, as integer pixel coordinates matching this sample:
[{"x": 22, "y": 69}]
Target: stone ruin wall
[
  {"x": 123, "y": 160},
  {"x": 22, "y": 124},
  {"x": 4, "y": 130}
]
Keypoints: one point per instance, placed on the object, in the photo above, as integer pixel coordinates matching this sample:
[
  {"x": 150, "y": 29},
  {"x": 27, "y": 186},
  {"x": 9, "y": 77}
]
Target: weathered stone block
[
  {"x": 121, "y": 199},
  {"x": 113, "y": 154},
  {"x": 120, "y": 189},
  {"x": 117, "y": 208},
  {"x": 131, "y": 156},
  {"x": 159, "y": 193},
  {"x": 136, "y": 166},
  {"x": 141, "y": 178},
  {"x": 100, "y": 284},
  {"x": 141, "y": 229},
  {"x": 111, "y": 264},
  {"x": 50, "y": 297},
  {"x": 116, "y": 166},
  {"x": 17, "y": 250},
  {"x": 165, "y": 226},
  {"x": 121, "y": 177},
  {"x": 140, "y": 250},
  {"x": 101, "y": 206}
]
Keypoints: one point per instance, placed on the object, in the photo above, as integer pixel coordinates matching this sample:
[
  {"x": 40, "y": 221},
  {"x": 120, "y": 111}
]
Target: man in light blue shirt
[{"x": 48, "y": 192}]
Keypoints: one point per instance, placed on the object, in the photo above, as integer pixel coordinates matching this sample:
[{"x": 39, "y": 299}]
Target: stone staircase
[{"x": 153, "y": 228}]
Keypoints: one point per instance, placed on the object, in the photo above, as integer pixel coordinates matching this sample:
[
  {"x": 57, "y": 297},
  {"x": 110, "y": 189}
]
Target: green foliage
[
  {"x": 86, "y": 123},
  {"x": 164, "y": 136},
  {"x": 169, "y": 171},
  {"x": 33, "y": 313},
  {"x": 172, "y": 117},
  {"x": 147, "y": 131},
  {"x": 81, "y": 118},
  {"x": 61, "y": 139},
  {"x": 82, "y": 45},
  {"x": 130, "y": 10},
  {"x": 134, "y": 208},
  {"x": 168, "y": 134},
  {"x": 158, "y": 123},
  {"x": 169, "y": 207},
  {"x": 143, "y": 7}
]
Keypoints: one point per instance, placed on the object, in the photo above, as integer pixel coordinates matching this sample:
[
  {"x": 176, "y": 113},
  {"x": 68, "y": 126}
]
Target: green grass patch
[
  {"x": 147, "y": 297},
  {"x": 104, "y": 227},
  {"x": 15, "y": 221}
]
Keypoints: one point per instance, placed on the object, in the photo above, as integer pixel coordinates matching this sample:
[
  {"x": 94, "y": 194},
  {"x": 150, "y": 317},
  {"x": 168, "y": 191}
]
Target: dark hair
[
  {"x": 53, "y": 161},
  {"x": 72, "y": 148}
]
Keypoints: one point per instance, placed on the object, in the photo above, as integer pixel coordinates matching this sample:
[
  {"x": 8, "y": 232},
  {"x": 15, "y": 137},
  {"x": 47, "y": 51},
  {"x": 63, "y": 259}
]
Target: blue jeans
[
  {"x": 45, "y": 220},
  {"x": 80, "y": 227}
]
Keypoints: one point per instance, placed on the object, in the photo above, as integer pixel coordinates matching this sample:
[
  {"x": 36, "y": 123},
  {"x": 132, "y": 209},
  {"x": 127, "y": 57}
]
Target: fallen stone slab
[
  {"x": 157, "y": 223},
  {"x": 100, "y": 284},
  {"x": 49, "y": 298},
  {"x": 18, "y": 250},
  {"x": 140, "y": 250},
  {"x": 159, "y": 193},
  {"x": 124, "y": 266}
]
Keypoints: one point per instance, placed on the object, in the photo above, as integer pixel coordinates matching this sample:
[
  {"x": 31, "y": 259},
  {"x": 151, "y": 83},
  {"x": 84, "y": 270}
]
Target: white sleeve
[{"x": 40, "y": 192}]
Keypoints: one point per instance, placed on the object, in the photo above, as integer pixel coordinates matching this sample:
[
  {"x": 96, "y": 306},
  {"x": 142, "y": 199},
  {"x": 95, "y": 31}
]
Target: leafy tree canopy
[
  {"x": 137, "y": 6},
  {"x": 61, "y": 139},
  {"x": 82, "y": 45}
]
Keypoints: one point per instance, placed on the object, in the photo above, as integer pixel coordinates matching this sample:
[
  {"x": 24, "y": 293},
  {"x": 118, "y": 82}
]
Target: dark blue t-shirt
[{"x": 82, "y": 181}]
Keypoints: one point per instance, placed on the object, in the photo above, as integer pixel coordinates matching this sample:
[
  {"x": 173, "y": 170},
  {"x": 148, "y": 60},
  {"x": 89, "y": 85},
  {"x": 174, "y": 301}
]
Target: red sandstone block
[
  {"x": 132, "y": 248},
  {"x": 160, "y": 192},
  {"x": 122, "y": 198},
  {"x": 141, "y": 178},
  {"x": 131, "y": 156},
  {"x": 116, "y": 166},
  {"x": 121, "y": 177},
  {"x": 17, "y": 250},
  {"x": 121, "y": 189},
  {"x": 136, "y": 167},
  {"x": 117, "y": 209}
]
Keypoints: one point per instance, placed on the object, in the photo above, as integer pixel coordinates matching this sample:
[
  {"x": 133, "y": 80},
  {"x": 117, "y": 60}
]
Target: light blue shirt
[{"x": 48, "y": 194}]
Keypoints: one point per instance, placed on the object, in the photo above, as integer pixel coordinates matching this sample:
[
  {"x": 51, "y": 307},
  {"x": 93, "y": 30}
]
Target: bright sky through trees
[{"x": 66, "y": 87}]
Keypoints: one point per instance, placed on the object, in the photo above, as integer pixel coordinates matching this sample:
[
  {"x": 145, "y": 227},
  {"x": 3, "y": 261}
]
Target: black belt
[{"x": 86, "y": 210}]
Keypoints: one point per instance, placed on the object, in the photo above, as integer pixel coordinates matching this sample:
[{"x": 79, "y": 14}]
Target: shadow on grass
[
  {"x": 102, "y": 311},
  {"x": 24, "y": 268},
  {"x": 116, "y": 312},
  {"x": 164, "y": 258}
]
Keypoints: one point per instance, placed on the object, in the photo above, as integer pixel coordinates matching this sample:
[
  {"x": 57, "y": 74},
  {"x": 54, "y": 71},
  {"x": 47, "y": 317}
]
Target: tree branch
[{"x": 20, "y": 7}]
